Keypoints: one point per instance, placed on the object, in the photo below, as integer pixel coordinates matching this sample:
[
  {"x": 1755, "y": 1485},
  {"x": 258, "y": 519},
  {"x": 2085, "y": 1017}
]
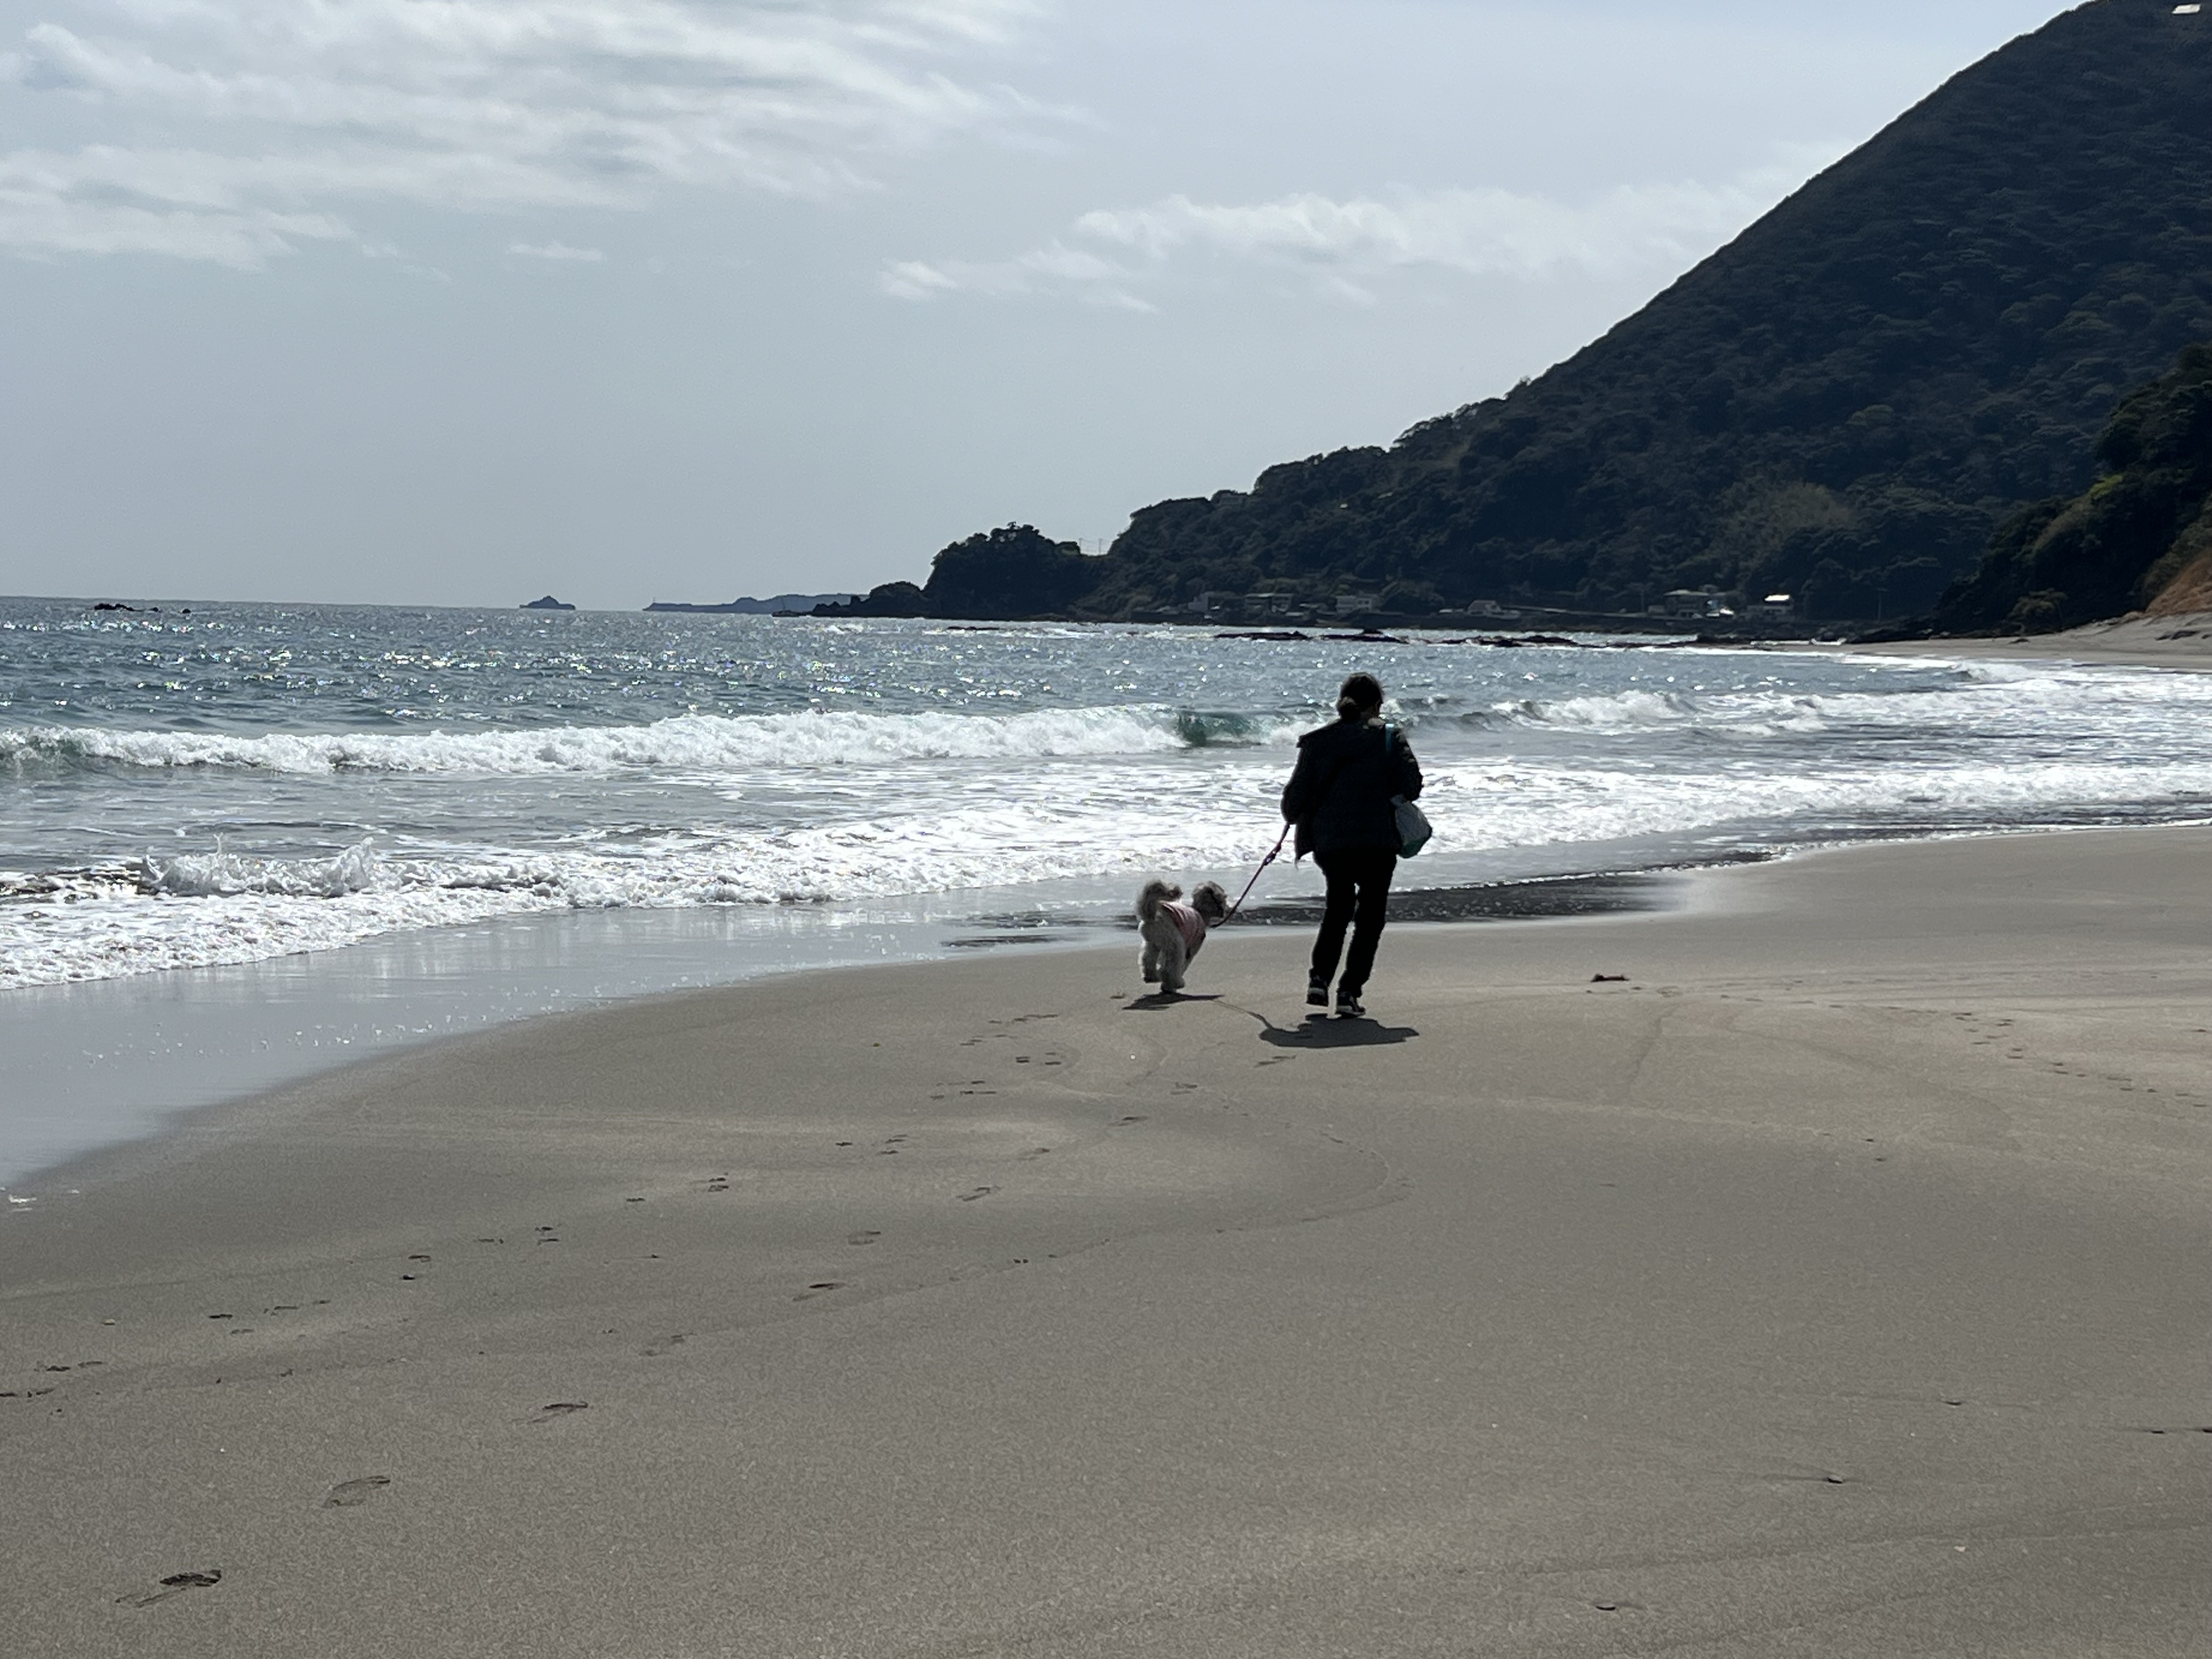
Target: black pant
[{"x": 1359, "y": 889}]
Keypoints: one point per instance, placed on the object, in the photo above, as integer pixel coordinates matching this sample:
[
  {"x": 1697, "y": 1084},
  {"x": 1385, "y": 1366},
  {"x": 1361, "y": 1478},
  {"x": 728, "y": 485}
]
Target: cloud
[
  {"x": 557, "y": 251},
  {"x": 1074, "y": 271},
  {"x": 252, "y": 119},
  {"x": 1342, "y": 248}
]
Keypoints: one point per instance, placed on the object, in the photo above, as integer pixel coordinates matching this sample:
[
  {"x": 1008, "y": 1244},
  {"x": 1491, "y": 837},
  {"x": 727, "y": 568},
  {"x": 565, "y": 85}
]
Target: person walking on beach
[{"x": 1342, "y": 799}]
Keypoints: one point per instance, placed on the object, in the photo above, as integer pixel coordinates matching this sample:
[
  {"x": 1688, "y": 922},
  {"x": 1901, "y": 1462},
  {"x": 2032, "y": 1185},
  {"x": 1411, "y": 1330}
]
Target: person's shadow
[{"x": 1320, "y": 1031}]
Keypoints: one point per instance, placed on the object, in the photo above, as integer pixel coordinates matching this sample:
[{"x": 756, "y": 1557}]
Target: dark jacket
[{"x": 1340, "y": 794}]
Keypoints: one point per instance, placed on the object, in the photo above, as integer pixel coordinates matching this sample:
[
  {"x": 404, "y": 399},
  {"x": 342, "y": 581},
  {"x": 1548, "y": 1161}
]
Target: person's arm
[
  {"x": 1297, "y": 795},
  {"x": 1405, "y": 771}
]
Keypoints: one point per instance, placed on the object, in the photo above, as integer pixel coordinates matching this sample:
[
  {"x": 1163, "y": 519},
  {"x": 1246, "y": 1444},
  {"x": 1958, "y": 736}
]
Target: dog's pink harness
[{"x": 1189, "y": 924}]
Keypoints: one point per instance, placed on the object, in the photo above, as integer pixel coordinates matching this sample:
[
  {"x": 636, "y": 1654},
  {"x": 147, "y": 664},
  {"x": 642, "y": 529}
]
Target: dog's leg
[
  {"x": 1171, "y": 965},
  {"x": 1150, "y": 961}
]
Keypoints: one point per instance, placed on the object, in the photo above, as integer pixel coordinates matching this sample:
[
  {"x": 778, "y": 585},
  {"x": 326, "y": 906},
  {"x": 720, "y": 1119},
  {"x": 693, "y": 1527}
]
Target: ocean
[{"x": 389, "y": 823}]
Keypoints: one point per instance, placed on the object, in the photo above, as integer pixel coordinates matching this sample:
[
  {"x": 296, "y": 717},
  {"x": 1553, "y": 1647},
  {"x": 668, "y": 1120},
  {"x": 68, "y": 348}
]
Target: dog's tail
[{"x": 1155, "y": 894}]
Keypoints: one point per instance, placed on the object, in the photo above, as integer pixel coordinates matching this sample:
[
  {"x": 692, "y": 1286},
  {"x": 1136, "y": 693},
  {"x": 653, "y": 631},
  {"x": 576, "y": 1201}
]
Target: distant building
[
  {"x": 1350, "y": 604},
  {"x": 1690, "y": 602},
  {"x": 1774, "y": 605}
]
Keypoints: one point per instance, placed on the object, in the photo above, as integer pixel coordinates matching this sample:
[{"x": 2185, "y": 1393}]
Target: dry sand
[{"x": 1834, "y": 1286}]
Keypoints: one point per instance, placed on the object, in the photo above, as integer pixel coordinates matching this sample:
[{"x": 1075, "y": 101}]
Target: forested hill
[
  {"x": 1843, "y": 403},
  {"x": 2141, "y": 536}
]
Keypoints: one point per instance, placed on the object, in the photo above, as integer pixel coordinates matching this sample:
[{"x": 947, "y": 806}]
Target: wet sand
[
  {"x": 2182, "y": 641},
  {"x": 1833, "y": 1284}
]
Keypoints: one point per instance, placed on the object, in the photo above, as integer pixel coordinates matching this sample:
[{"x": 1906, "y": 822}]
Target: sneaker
[
  {"x": 1348, "y": 1005},
  {"x": 1317, "y": 993}
]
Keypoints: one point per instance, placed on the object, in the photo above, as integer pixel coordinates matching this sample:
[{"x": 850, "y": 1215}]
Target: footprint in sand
[
  {"x": 352, "y": 1494},
  {"x": 981, "y": 1192},
  {"x": 560, "y": 1408},
  {"x": 175, "y": 1584},
  {"x": 821, "y": 1287},
  {"x": 653, "y": 1350},
  {"x": 1030, "y": 1155},
  {"x": 866, "y": 1236}
]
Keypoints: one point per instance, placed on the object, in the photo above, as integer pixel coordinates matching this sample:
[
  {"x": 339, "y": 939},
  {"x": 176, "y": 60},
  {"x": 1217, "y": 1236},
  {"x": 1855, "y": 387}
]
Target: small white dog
[{"x": 1174, "y": 932}]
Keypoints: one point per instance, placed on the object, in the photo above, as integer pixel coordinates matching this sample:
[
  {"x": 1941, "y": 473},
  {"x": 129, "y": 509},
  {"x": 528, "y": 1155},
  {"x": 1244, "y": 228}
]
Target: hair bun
[{"x": 1360, "y": 694}]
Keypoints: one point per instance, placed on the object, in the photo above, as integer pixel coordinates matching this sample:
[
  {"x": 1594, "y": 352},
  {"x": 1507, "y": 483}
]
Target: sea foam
[{"x": 222, "y": 874}]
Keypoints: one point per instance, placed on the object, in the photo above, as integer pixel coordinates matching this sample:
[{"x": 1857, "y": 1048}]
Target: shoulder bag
[{"x": 1414, "y": 830}]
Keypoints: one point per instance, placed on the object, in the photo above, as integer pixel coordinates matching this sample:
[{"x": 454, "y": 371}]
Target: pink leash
[{"x": 1256, "y": 874}]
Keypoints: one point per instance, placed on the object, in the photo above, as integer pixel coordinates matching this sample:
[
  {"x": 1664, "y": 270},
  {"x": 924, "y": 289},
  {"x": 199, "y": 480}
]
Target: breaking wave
[
  {"x": 698, "y": 743},
  {"x": 1980, "y": 699},
  {"x": 222, "y": 874}
]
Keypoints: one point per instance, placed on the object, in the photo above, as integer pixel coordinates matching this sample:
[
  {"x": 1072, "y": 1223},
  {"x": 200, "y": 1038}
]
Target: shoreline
[
  {"x": 112, "y": 1062},
  {"x": 104, "y": 1063},
  {"x": 140, "y": 1100},
  {"x": 1826, "y": 1283},
  {"x": 2181, "y": 643}
]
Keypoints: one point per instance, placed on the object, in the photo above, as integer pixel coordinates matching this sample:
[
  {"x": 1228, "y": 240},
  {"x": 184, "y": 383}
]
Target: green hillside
[
  {"x": 1844, "y": 402},
  {"x": 2140, "y": 533}
]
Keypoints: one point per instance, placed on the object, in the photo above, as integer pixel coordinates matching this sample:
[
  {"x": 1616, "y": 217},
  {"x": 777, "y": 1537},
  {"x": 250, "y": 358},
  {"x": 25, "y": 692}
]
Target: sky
[{"x": 463, "y": 301}]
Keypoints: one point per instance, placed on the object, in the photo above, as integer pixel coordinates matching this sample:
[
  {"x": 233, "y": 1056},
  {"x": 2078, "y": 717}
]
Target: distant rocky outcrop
[
  {"x": 549, "y": 602},
  {"x": 778, "y": 604},
  {"x": 1002, "y": 574},
  {"x": 2140, "y": 538},
  {"x": 887, "y": 599}
]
